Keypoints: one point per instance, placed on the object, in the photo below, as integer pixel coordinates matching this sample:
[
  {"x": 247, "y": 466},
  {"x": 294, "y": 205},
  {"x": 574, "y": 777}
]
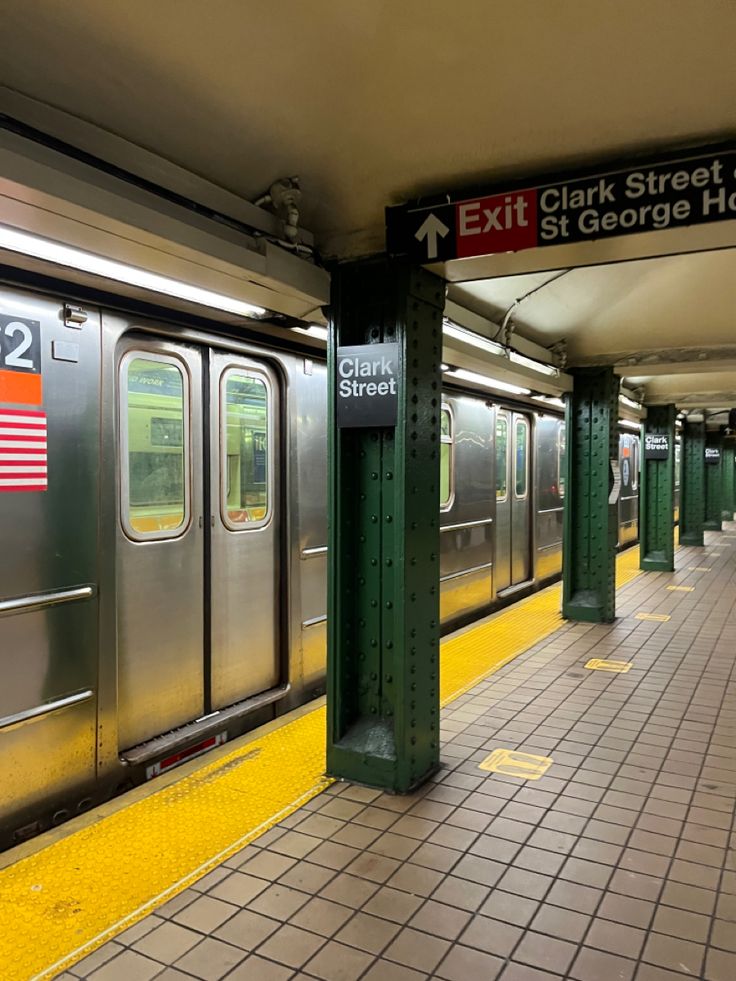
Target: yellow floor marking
[
  {"x": 617, "y": 667},
  {"x": 681, "y": 589},
  {"x": 659, "y": 617},
  {"x": 513, "y": 764},
  {"x": 698, "y": 568},
  {"x": 60, "y": 903}
]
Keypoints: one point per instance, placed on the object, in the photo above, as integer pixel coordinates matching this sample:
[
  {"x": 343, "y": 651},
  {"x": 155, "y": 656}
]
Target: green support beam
[
  {"x": 656, "y": 528},
  {"x": 714, "y": 485},
  {"x": 590, "y": 521},
  {"x": 692, "y": 484},
  {"x": 729, "y": 483},
  {"x": 383, "y": 581}
]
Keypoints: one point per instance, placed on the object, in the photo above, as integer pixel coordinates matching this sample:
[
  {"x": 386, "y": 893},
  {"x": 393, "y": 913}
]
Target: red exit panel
[{"x": 502, "y": 223}]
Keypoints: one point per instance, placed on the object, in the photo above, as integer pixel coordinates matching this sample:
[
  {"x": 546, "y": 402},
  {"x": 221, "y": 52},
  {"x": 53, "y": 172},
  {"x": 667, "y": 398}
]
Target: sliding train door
[
  {"x": 160, "y": 539},
  {"x": 512, "y": 564},
  {"x": 198, "y": 534},
  {"x": 244, "y": 527}
]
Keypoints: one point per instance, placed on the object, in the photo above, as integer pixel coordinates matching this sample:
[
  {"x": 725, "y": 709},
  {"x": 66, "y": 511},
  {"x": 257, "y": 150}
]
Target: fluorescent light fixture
[
  {"x": 545, "y": 369},
  {"x": 475, "y": 378},
  {"x": 444, "y": 367},
  {"x": 314, "y": 330},
  {"x": 549, "y": 400},
  {"x": 630, "y": 402},
  {"x": 628, "y": 424},
  {"x": 64, "y": 255},
  {"x": 450, "y": 329}
]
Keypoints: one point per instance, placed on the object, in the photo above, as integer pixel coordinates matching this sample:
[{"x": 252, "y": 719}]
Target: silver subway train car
[{"x": 163, "y": 567}]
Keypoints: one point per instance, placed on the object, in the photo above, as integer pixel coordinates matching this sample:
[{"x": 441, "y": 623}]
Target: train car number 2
[{"x": 20, "y": 344}]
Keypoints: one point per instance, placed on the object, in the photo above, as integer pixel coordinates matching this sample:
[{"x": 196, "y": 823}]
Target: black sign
[
  {"x": 656, "y": 446},
  {"x": 367, "y": 385},
  {"x": 696, "y": 188},
  {"x": 712, "y": 454},
  {"x": 20, "y": 344}
]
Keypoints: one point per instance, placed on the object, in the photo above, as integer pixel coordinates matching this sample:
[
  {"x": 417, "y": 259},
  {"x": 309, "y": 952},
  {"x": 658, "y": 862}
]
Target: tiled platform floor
[{"x": 617, "y": 864}]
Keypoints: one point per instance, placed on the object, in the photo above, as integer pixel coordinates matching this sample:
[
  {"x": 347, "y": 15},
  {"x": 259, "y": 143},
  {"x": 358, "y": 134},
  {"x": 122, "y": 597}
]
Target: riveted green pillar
[
  {"x": 657, "y": 530},
  {"x": 590, "y": 524},
  {"x": 383, "y": 581},
  {"x": 692, "y": 484},
  {"x": 714, "y": 484},
  {"x": 729, "y": 483}
]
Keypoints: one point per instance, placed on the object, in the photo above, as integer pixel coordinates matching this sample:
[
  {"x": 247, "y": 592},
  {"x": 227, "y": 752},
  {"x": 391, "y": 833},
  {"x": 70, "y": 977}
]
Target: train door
[
  {"x": 513, "y": 499},
  {"x": 197, "y": 535},
  {"x": 244, "y": 521}
]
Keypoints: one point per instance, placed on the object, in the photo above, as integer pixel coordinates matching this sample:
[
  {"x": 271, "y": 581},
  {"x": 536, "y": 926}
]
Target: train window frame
[
  {"x": 157, "y": 357},
  {"x": 634, "y": 463},
  {"x": 520, "y": 419},
  {"x": 448, "y": 441},
  {"x": 561, "y": 466},
  {"x": 505, "y": 417},
  {"x": 247, "y": 371}
]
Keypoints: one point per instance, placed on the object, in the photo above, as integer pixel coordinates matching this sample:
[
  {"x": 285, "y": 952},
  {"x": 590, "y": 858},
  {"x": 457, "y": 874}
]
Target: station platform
[{"x": 604, "y": 853}]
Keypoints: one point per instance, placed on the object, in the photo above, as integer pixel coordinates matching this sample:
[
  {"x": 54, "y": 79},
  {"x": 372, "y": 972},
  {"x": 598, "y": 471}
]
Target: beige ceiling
[{"x": 372, "y": 101}]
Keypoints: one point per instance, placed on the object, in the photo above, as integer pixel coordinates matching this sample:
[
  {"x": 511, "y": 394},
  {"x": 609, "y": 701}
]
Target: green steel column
[
  {"x": 590, "y": 527},
  {"x": 383, "y": 581},
  {"x": 657, "y": 530},
  {"x": 714, "y": 485},
  {"x": 729, "y": 484},
  {"x": 692, "y": 484}
]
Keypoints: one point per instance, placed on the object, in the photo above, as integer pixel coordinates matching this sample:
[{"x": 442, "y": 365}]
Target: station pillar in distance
[
  {"x": 713, "y": 481},
  {"x": 729, "y": 480},
  {"x": 656, "y": 514},
  {"x": 692, "y": 484},
  {"x": 590, "y": 519},
  {"x": 383, "y": 572}
]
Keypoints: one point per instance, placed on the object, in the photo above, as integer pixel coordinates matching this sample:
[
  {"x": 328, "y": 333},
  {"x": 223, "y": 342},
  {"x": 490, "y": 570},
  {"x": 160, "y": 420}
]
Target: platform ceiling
[{"x": 372, "y": 102}]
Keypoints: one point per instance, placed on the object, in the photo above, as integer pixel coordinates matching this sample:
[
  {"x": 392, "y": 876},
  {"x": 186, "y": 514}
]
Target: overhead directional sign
[{"x": 695, "y": 188}]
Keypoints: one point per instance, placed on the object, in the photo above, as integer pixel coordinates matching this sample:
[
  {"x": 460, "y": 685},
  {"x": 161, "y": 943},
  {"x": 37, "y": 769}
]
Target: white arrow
[{"x": 430, "y": 228}]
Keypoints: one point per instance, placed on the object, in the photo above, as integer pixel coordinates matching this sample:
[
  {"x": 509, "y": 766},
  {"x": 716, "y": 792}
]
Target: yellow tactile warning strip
[
  {"x": 616, "y": 667},
  {"x": 62, "y": 902},
  {"x": 514, "y": 764}
]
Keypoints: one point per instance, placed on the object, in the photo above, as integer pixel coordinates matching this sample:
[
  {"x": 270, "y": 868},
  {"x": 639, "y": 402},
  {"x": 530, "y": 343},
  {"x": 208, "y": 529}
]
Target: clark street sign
[
  {"x": 656, "y": 446},
  {"x": 367, "y": 393},
  {"x": 695, "y": 188}
]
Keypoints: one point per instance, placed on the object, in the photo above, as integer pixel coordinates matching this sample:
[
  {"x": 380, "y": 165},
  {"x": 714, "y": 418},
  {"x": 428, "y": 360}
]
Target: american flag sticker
[{"x": 23, "y": 451}]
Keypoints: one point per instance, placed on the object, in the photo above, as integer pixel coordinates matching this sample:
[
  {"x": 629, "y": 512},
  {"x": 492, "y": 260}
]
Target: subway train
[{"x": 164, "y": 528}]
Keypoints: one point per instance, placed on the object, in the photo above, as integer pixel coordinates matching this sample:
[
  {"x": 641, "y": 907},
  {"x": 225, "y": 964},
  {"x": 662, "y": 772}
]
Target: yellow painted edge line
[{"x": 41, "y": 893}]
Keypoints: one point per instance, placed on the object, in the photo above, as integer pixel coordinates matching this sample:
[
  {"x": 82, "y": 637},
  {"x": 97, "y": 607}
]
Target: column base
[
  {"x": 691, "y": 538},
  {"x": 586, "y": 607},
  {"x": 656, "y": 563}
]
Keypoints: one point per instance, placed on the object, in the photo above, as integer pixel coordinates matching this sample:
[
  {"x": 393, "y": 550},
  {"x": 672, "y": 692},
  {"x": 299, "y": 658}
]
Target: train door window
[
  {"x": 678, "y": 451},
  {"x": 446, "y": 459},
  {"x": 561, "y": 459},
  {"x": 634, "y": 463},
  {"x": 502, "y": 441},
  {"x": 154, "y": 413},
  {"x": 521, "y": 457},
  {"x": 246, "y": 457}
]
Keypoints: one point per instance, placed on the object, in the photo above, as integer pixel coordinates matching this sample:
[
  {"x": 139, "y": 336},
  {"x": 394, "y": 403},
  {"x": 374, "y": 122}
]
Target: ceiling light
[
  {"x": 549, "y": 400},
  {"x": 628, "y": 424},
  {"x": 476, "y": 379},
  {"x": 314, "y": 330},
  {"x": 64, "y": 255},
  {"x": 444, "y": 367},
  {"x": 630, "y": 402},
  {"x": 450, "y": 329},
  {"x": 545, "y": 369}
]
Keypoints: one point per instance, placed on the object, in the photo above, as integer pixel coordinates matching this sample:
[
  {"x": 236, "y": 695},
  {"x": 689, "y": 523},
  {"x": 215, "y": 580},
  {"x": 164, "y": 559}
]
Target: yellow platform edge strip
[{"x": 65, "y": 900}]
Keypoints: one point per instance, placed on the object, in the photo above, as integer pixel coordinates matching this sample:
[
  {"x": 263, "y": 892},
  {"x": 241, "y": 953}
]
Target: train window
[
  {"x": 521, "y": 457},
  {"x": 245, "y": 449},
  {"x": 154, "y": 468},
  {"x": 446, "y": 459},
  {"x": 502, "y": 443},
  {"x": 634, "y": 464},
  {"x": 678, "y": 451}
]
